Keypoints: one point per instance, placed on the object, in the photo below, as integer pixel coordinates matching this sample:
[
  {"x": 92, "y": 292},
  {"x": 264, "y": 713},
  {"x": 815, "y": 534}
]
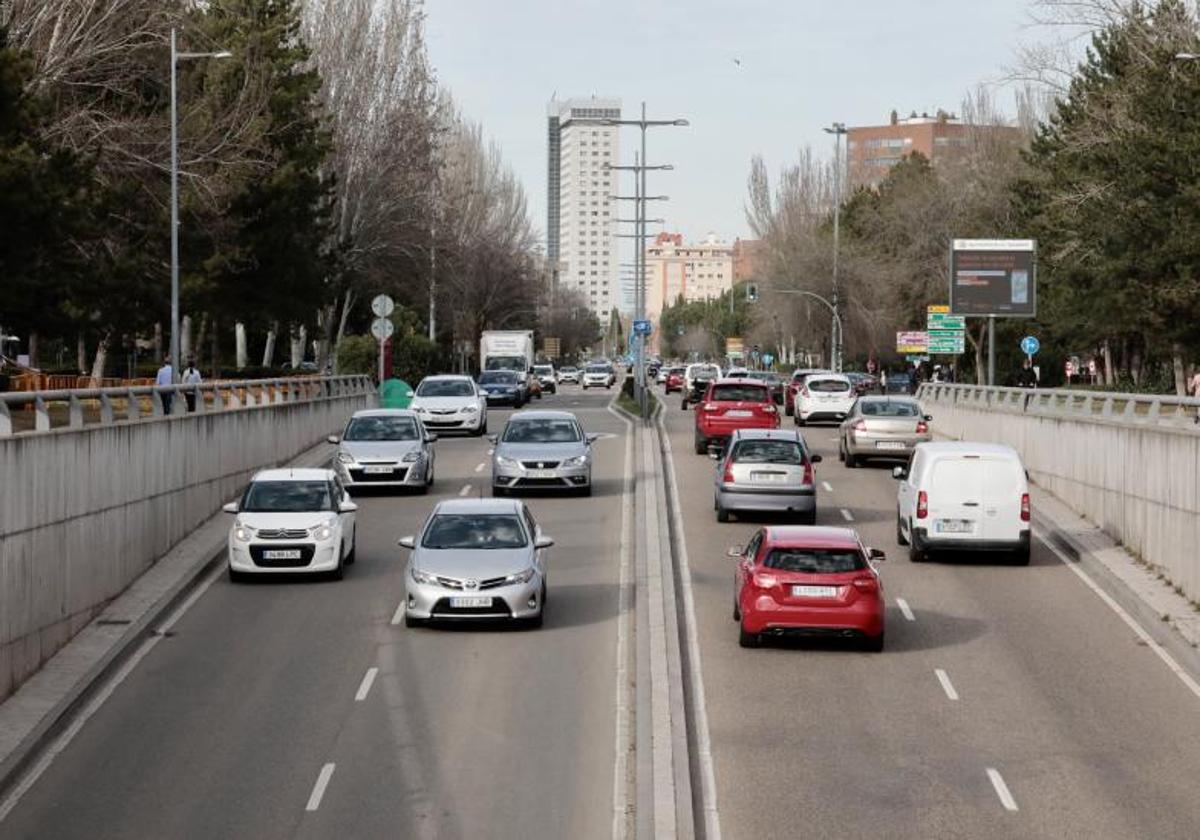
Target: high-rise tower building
[{"x": 580, "y": 231}]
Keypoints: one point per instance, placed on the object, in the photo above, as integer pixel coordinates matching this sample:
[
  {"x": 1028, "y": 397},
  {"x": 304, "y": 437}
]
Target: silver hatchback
[
  {"x": 882, "y": 427},
  {"x": 542, "y": 450},
  {"x": 385, "y": 447},
  {"x": 768, "y": 470},
  {"x": 477, "y": 559}
]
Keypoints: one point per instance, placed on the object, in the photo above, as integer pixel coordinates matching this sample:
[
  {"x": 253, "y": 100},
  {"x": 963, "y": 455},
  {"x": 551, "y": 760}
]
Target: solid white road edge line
[
  {"x": 318, "y": 791},
  {"x": 101, "y": 696},
  {"x": 847, "y": 515},
  {"x": 905, "y": 609},
  {"x": 465, "y": 491},
  {"x": 1006, "y": 797},
  {"x": 947, "y": 686},
  {"x": 708, "y": 779},
  {"x": 1175, "y": 667},
  {"x": 624, "y": 711},
  {"x": 826, "y": 487},
  {"x": 365, "y": 686}
]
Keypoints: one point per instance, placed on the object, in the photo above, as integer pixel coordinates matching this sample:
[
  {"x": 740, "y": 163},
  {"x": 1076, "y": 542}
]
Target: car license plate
[
  {"x": 739, "y": 413},
  {"x": 814, "y": 591},
  {"x": 954, "y": 526},
  {"x": 768, "y": 476},
  {"x": 281, "y": 554},
  {"x": 377, "y": 470},
  {"x": 540, "y": 473},
  {"x": 471, "y": 602},
  {"x": 888, "y": 444}
]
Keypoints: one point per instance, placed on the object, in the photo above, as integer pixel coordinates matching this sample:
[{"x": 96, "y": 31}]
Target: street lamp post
[
  {"x": 837, "y": 130},
  {"x": 176, "y": 57}
]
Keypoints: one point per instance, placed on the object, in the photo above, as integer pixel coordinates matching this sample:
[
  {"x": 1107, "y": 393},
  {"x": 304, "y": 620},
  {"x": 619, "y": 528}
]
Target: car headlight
[
  {"x": 422, "y": 577},
  {"x": 321, "y": 532},
  {"x": 410, "y": 457},
  {"x": 345, "y": 458},
  {"x": 521, "y": 577},
  {"x": 510, "y": 463},
  {"x": 243, "y": 532},
  {"x": 577, "y": 461},
  {"x": 470, "y": 409}
]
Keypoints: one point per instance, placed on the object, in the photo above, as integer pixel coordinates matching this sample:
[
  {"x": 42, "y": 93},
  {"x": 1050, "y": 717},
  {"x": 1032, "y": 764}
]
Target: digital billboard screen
[{"x": 993, "y": 277}]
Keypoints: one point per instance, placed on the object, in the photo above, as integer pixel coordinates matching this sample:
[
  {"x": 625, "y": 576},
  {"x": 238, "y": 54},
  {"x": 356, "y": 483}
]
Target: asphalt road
[
  {"x": 1086, "y": 730},
  {"x": 260, "y": 716}
]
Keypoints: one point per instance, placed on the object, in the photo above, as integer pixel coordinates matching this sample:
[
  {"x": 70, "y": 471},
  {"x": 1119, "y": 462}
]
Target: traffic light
[{"x": 752, "y": 292}]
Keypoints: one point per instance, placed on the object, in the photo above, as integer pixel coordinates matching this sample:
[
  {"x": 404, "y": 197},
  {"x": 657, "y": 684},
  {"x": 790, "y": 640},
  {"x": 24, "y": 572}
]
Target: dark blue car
[{"x": 502, "y": 387}]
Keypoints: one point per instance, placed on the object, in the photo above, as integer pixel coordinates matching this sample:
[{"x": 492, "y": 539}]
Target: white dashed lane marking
[
  {"x": 1006, "y": 797},
  {"x": 906, "y": 609},
  {"x": 364, "y": 687},
  {"x": 465, "y": 491},
  {"x": 827, "y": 488},
  {"x": 947, "y": 686},
  {"x": 847, "y": 515},
  {"x": 314, "y": 801}
]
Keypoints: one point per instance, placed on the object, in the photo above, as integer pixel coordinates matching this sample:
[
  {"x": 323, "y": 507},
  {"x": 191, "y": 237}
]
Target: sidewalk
[{"x": 43, "y": 705}]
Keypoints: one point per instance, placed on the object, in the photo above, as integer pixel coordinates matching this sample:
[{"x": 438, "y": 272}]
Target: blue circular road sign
[{"x": 1030, "y": 345}]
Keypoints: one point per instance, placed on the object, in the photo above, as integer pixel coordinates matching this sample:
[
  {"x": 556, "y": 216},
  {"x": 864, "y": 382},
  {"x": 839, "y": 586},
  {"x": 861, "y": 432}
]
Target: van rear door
[
  {"x": 955, "y": 497},
  {"x": 1003, "y": 485}
]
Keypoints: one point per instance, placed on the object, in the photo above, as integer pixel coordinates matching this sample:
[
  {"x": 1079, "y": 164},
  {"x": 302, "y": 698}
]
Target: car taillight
[
  {"x": 768, "y": 408},
  {"x": 803, "y": 391},
  {"x": 922, "y": 505},
  {"x": 922, "y": 427},
  {"x": 809, "y": 478},
  {"x": 1024, "y": 507},
  {"x": 765, "y": 581},
  {"x": 861, "y": 426},
  {"x": 867, "y": 584},
  {"x": 709, "y": 407},
  {"x": 728, "y": 476}
]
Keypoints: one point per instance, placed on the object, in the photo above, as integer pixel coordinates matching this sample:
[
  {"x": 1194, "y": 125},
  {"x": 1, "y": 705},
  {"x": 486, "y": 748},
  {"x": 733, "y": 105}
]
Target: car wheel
[
  {"x": 683, "y": 404},
  {"x": 353, "y": 555},
  {"x": 851, "y": 460},
  {"x": 429, "y": 476},
  {"x": 340, "y": 571},
  {"x": 799, "y": 420},
  {"x": 900, "y": 538},
  {"x": 915, "y": 555},
  {"x": 808, "y": 517},
  {"x": 873, "y": 644},
  {"x": 498, "y": 491},
  {"x": 737, "y": 610},
  {"x": 237, "y": 577},
  {"x": 699, "y": 444},
  {"x": 410, "y": 621},
  {"x": 722, "y": 514},
  {"x": 1020, "y": 557},
  {"x": 841, "y": 451},
  {"x": 585, "y": 490},
  {"x": 747, "y": 640}
]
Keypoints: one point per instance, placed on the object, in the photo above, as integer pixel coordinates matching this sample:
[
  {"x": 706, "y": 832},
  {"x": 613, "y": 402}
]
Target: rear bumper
[
  {"x": 923, "y": 542},
  {"x": 864, "y": 446},
  {"x": 739, "y": 498},
  {"x": 708, "y": 432},
  {"x": 824, "y": 414},
  {"x": 862, "y": 618}
]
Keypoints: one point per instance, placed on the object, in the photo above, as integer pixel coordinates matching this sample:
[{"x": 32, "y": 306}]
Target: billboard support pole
[{"x": 991, "y": 377}]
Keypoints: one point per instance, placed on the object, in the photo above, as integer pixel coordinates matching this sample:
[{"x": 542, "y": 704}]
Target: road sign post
[{"x": 382, "y": 328}]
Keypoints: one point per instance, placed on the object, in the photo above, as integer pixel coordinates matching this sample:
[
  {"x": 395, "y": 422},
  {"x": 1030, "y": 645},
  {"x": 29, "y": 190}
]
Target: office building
[
  {"x": 580, "y": 231},
  {"x": 695, "y": 271}
]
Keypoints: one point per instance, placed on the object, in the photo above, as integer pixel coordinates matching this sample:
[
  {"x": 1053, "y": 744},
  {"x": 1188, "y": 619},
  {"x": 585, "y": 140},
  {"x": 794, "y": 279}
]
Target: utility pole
[{"x": 837, "y": 130}]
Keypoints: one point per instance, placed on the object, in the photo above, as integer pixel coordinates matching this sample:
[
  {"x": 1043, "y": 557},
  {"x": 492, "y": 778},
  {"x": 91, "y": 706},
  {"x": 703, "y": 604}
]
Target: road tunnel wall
[
  {"x": 1128, "y": 464},
  {"x": 84, "y": 512}
]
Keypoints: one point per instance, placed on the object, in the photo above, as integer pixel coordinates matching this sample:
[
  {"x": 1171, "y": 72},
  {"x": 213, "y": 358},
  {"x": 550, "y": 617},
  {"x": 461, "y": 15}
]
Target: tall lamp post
[
  {"x": 837, "y": 130},
  {"x": 177, "y": 57}
]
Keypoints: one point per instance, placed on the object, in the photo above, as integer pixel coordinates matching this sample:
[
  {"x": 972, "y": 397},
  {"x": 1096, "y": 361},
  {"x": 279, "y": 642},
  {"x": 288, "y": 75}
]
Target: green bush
[
  {"x": 414, "y": 357},
  {"x": 357, "y": 354}
]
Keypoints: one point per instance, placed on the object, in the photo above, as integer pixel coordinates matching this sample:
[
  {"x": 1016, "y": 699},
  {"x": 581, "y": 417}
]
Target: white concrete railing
[
  {"x": 113, "y": 405},
  {"x": 1130, "y": 463}
]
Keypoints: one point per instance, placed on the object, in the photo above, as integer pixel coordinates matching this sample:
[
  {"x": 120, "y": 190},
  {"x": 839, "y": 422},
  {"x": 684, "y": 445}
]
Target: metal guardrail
[
  {"x": 1159, "y": 410},
  {"x": 76, "y": 408}
]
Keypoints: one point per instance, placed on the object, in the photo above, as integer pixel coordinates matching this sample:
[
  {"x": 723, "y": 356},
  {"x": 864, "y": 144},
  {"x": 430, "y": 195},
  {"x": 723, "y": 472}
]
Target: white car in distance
[
  {"x": 449, "y": 403},
  {"x": 292, "y": 520},
  {"x": 827, "y": 397}
]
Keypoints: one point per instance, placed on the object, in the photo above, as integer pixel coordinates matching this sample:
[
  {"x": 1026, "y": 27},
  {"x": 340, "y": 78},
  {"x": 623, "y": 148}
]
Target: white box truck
[{"x": 508, "y": 350}]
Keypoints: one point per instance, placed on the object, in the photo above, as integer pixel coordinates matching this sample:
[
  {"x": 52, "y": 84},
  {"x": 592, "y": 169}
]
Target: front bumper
[
  {"x": 596, "y": 382},
  {"x": 430, "y": 601},
  {"x": 550, "y": 478},
  {"x": 735, "y": 498},
  {"x": 459, "y": 421},
  {"x": 315, "y": 556},
  {"x": 402, "y": 475},
  {"x": 923, "y": 542}
]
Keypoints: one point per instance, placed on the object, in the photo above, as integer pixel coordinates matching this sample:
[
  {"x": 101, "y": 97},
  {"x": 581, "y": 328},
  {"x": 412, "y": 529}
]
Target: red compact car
[
  {"x": 674, "y": 380},
  {"x": 796, "y": 580},
  {"x": 731, "y": 404}
]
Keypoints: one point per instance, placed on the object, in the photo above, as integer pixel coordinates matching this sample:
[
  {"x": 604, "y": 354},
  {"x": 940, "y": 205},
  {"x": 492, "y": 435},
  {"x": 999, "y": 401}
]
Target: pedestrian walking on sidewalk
[
  {"x": 166, "y": 376},
  {"x": 191, "y": 376}
]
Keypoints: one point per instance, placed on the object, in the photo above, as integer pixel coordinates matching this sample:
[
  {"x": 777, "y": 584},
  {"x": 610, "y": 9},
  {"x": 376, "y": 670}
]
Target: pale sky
[{"x": 804, "y": 64}]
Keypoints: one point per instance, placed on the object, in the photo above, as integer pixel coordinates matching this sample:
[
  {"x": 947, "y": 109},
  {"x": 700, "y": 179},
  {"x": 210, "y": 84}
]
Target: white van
[{"x": 962, "y": 496}]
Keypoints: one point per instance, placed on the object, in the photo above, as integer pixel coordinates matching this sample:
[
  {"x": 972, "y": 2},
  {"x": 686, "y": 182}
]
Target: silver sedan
[
  {"x": 477, "y": 559},
  {"x": 882, "y": 427},
  {"x": 385, "y": 447},
  {"x": 542, "y": 450}
]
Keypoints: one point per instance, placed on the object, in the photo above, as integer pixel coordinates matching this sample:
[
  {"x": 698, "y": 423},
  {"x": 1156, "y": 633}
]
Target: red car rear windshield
[
  {"x": 739, "y": 393},
  {"x": 820, "y": 561}
]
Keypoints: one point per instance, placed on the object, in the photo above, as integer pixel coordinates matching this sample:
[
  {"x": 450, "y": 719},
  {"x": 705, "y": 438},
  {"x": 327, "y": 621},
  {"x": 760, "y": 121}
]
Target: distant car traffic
[
  {"x": 545, "y": 376},
  {"x": 477, "y": 559},
  {"x": 773, "y": 380},
  {"x": 599, "y": 375},
  {"x": 899, "y": 382},
  {"x": 385, "y": 447},
  {"x": 882, "y": 427},
  {"x": 503, "y": 386},
  {"x": 863, "y": 383},
  {"x": 823, "y": 397},
  {"x": 451, "y": 403},
  {"x": 962, "y": 496},
  {"x": 542, "y": 450},
  {"x": 768, "y": 470},
  {"x": 731, "y": 404},
  {"x": 801, "y": 581},
  {"x": 570, "y": 373},
  {"x": 291, "y": 520}
]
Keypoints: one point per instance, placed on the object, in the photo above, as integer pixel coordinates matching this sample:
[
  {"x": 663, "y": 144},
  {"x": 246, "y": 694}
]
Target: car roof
[
  {"x": 384, "y": 412},
  {"x": 966, "y": 447},
  {"x": 811, "y": 537},
  {"x": 768, "y": 434},
  {"x": 837, "y": 377},
  {"x": 738, "y": 380},
  {"x": 443, "y": 376},
  {"x": 486, "y": 505},
  {"x": 543, "y": 414},
  {"x": 885, "y": 398},
  {"x": 298, "y": 474}
]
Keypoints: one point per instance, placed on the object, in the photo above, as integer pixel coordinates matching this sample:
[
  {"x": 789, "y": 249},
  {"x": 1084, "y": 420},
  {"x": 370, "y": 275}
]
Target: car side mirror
[
  {"x": 347, "y": 507},
  {"x": 334, "y": 439},
  {"x": 592, "y": 437},
  {"x": 430, "y": 437},
  {"x": 543, "y": 542},
  {"x": 876, "y": 554},
  {"x": 928, "y": 418},
  {"x": 408, "y": 393},
  {"x": 494, "y": 438},
  {"x": 230, "y": 507},
  {"x": 734, "y": 551},
  {"x": 815, "y": 458},
  {"x": 899, "y": 473},
  {"x": 714, "y": 453},
  {"x": 407, "y": 542}
]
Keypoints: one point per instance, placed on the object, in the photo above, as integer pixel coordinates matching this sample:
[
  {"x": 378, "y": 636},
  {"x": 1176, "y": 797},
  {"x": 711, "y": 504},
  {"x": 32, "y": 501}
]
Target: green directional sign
[
  {"x": 950, "y": 343},
  {"x": 941, "y": 321}
]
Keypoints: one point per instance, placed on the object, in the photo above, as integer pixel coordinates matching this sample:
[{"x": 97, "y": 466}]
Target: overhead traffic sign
[
  {"x": 1030, "y": 345},
  {"x": 940, "y": 321},
  {"x": 382, "y": 306}
]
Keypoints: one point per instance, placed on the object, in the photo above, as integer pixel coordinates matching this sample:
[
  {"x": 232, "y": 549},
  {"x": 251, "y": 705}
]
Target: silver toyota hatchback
[
  {"x": 385, "y": 447},
  {"x": 477, "y": 559},
  {"x": 542, "y": 450}
]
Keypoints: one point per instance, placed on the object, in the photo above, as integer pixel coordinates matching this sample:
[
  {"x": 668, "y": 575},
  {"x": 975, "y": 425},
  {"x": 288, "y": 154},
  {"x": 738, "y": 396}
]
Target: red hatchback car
[
  {"x": 731, "y": 404},
  {"x": 674, "y": 380},
  {"x": 796, "y": 580}
]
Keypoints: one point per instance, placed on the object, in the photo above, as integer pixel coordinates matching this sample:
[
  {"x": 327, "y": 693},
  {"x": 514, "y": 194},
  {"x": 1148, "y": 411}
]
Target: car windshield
[
  {"x": 286, "y": 497},
  {"x": 768, "y": 452},
  {"x": 828, "y": 386},
  {"x": 677, "y": 371},
  {"x": 888, "y": 408},
  {"x": 567, "y": 370},
  {"x": 820, "y": 561},
  {"x": 597, "y": 369},
  {"x": 706, "y": 372},
  {"x": 739, "y": 393},
  {"x": 497, "y": 377},
  {"x": 762, "y": 375},
  {"x": 445, "y": 388},
  {"x": 474, "y": 531},
  {"x": 381, "y": 427},
  {"x": 542, "y": 430},
  {"x": 543, "y": 370}
]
